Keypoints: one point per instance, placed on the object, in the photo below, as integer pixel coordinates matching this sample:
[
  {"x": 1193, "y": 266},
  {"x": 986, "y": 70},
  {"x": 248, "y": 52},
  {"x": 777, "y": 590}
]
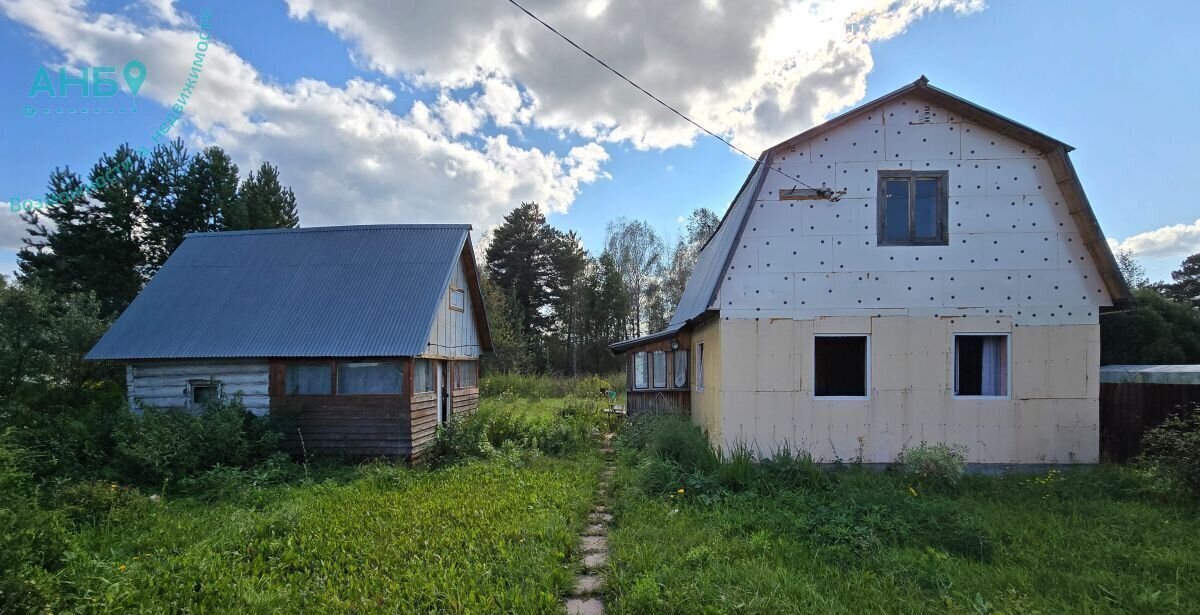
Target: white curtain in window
[
  {"x": 640, "y": 379},
  {"x": 659, "y": 369},
  {"x": 369, "y": 378},
  {"x": 994, "y": 366}
]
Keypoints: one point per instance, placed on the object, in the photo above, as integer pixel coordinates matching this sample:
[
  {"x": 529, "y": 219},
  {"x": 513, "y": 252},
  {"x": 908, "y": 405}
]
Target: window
[
  {"x": 640, "y": 375},
  {"x": 659, "y": 370},
  {"x": 204, "y": 392},
  {"x": 840, "y": 366},
  {"x": 681, "y": 368},
  {"x": 912, "y": 208},
  {"x": 700, "y": 366},
  {"x": 370, "y": 378},
  {"x": 423, "y": 381},
  {"x": 458, "y": 298},
  {"x": 981, "y": 365},
  {"x": 466, "y": 374},
  {"x": 308, "y": 380}
]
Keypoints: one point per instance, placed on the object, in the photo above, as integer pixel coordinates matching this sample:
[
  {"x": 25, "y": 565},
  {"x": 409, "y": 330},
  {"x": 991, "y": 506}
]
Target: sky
[{"x": 381, "y": 111}]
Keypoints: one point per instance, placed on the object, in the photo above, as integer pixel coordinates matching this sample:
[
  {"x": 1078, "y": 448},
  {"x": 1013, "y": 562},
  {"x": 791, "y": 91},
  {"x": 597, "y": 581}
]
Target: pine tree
[
  {"x": 266, "y": 202},
  {"x": 518, "y": 261},
  {"x": 169, "y": 218},
  {"x": 96, "y": 245},
  {"x": 1186, "y": 285},
  {"x": 209, "y": 192}
]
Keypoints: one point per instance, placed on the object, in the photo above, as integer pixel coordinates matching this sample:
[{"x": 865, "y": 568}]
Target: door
[{"x": 439, "y": 388}]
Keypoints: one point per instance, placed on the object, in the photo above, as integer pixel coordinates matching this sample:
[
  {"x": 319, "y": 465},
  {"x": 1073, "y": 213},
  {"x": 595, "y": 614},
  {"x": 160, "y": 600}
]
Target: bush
[
  {"x": 491, "y": 433},
  {"x": 935, "y": 464},
  {"x": 1172, "y": 450},
  {"x": 529, "y": 386},
  {"x": 167, "y": 445},
  {"x": 32, "y": 539}
]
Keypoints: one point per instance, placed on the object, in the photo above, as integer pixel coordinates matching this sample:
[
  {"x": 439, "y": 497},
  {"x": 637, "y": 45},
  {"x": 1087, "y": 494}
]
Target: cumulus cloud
[
  {"x": 1169, "y": 241},
  {"x": 348, "y": 156},
  {"x": 757, "y": 71}
]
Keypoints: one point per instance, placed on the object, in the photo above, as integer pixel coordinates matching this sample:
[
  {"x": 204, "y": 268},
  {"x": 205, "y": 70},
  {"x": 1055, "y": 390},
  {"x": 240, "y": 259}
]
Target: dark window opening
[
  {"x": 981, "y": 365},
  {"x": 840, "y": 366},
  {"x": 204, "y": 393},
  {"x": 913, "y": 208}
]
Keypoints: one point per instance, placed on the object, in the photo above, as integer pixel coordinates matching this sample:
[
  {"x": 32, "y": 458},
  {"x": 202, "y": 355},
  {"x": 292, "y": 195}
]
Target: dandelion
[
  {"x": 680, "y": 491},
  {"x": 912, "y": 492},
  {"x": 121, "y": 568}
]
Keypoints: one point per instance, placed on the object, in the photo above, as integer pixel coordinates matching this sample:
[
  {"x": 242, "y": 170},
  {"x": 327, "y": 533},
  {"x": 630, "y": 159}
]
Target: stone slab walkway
[{"x": 585, "y": 596}]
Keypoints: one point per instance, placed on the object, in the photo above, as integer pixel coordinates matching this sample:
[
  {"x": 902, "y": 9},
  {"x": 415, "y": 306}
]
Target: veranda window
[{"x": 641, "y": 378}]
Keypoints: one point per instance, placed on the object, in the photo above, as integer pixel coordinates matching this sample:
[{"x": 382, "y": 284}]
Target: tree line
[
  {"x": 555, "y": 308},
  {"x": 1161, "y": 325},
  {"x": 107, "y": 232}
]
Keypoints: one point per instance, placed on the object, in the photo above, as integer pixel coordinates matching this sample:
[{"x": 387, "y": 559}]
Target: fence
[{"x": 1128, "y": 409}]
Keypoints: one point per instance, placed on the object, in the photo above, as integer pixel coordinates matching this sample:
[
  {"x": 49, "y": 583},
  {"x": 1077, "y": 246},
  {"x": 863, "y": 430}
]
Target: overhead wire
[{"x": 826, "y": 192}]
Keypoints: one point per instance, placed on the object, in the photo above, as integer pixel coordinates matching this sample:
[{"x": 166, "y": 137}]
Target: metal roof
[
  {"x": 343, "y": 291},
  {"x": 1151, "y": 374}
]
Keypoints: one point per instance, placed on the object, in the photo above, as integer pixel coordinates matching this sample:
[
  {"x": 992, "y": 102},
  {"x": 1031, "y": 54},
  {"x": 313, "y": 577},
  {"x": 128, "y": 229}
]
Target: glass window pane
[
  {"x": 308, "y": 379},
  {"x": 640, "y": 379},
  {"x": 660, "y": 369},
  {"x": 700, "y": 366},
  {"x": 203, "y": 394},
  {"x": 369, "y": 378},
  {"x": 465, "y": 375},
  {"x": 895, "y": 212},
  {"x": 681, "y": 368},
  {"x": 925, "y": 213},
  {"x": 457, "y": 298},
  {"x": 423, "y": 380}
]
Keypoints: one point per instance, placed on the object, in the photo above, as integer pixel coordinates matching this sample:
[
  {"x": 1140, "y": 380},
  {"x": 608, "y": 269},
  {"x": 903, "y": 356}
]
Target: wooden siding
[
  {"x": 1128, "y": 409},
  {"x": 454, "y": 333},
  {"x": 345, "y": 425},
  {"x": 464, "y": 402},
  {"x": 424, "y": 422},
  {"x": 164, "y": 384}
]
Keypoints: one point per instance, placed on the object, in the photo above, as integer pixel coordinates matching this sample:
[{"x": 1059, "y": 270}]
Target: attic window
[
  {"x": 458, "y": 299},
  {"x": 913, "y": 208}
]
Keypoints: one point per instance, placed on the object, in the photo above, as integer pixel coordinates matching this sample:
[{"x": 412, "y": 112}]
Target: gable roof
[
  {"x": 705, "y": 282},
  {"x": 340, "y": 291}
]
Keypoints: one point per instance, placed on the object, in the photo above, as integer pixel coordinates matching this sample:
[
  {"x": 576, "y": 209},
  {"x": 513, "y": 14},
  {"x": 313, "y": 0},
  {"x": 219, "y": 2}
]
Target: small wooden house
[
  {"x": 918, "y": 269},
  {"x": 357, "y": 340}
]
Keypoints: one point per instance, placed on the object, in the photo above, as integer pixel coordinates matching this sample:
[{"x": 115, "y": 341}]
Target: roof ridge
[{"x": 320, "y": 229}]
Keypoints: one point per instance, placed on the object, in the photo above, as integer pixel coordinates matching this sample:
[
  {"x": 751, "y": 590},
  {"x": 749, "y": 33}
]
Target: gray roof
[
  {"x": 1151, "y": 374},
  {"x": 346, "y": 291},
  {"x": 701, "y": 289}
]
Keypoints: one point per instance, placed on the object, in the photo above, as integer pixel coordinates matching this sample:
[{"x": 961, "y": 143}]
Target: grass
[
  {"x": 857, "y": 541},
  {"x": 478, "y": 538}
]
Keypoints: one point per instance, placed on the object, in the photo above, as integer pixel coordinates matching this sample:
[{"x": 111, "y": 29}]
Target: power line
[{"x": 828, "y": 193}]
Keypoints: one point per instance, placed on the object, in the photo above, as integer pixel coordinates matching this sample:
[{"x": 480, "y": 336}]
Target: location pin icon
[{"x": 135, "y": 74}]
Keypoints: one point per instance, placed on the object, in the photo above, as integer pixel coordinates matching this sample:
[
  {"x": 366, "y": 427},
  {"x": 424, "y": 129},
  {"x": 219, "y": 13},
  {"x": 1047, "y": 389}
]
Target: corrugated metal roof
[{"x": 347, "y": 291}]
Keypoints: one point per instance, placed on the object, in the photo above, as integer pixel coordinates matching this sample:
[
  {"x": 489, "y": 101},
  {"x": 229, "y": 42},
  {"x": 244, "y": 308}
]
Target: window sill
[
  {"x": 841, "y": 398},
  {"x": 978, "y": 397}
]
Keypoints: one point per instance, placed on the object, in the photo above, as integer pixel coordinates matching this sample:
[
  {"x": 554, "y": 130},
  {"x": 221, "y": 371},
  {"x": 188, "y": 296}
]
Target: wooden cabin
[
  {"x": 354, "y": 340},
  {"x": 918, "y": 269}
]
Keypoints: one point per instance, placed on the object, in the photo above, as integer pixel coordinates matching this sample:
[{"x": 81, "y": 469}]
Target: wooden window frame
[
  {"x": 193, "y": 384},
  {"x": 866, "y": 369},
  {"x": 462, "y": 293},
  {"x": 943, "y": 208},
  {"x": 456, "y": 366},
  {"x": 432, "y": 376}
]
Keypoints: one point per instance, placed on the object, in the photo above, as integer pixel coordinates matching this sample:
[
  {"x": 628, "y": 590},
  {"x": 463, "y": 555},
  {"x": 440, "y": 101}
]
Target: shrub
[
  {"x": 1172, "y": 450},
  {"x": 166, "y": 445},
  {"x": 530, "y": 386},
  {"x": 32, "y": 539},
  {"x": 492, "y": 433},
  {"x": 937, "y": 463}
]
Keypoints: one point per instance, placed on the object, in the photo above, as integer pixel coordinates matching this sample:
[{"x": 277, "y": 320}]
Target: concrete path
[{"x": 585, "y": 597}]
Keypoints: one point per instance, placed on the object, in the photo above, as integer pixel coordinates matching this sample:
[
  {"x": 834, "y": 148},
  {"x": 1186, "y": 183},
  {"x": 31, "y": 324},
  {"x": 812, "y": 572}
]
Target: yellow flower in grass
[
  {"x": 121, "y": 568},
  {"x": 679, "y": 491},
  {"x": 912, "y": 492}
]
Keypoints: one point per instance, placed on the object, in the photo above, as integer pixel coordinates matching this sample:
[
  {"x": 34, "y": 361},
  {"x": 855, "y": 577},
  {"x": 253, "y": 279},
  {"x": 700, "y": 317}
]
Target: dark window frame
[{"x": 943, "y": 208}]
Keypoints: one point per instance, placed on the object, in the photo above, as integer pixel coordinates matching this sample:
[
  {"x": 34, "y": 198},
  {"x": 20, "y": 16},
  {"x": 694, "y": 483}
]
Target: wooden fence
[{"x": 1128, "y": 409}]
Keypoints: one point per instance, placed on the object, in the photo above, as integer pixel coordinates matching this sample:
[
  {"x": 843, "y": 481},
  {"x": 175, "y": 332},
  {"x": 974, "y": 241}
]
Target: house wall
[
  {"x": 164, "y": 384},
  {"x": 706, "y": 403},
  {"x": 454, "y": 333},
  {"x": 1014, "y": 261},
  {"x": 652, "y": 399}
]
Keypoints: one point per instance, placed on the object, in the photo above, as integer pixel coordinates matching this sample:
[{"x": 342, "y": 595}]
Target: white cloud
[
  {"x": 1169, "y": 241},
  {"x": 760, "y": 71},
  {"x": 349, "y": 158}
]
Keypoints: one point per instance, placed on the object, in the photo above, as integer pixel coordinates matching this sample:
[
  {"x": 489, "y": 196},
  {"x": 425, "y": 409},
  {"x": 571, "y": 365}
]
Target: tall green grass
[
  {"x": 781, "y": 536},
  {"x": 535, "y": 386}
]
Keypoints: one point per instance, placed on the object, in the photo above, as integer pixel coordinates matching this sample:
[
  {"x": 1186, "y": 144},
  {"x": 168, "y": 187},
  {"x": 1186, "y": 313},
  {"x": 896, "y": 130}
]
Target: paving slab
[
  {"x": 592, "y": 544},
  {"x": 588, "y": 606},
  {"x": 596, "y": 529},
  {"x": 592, "y": 561}
]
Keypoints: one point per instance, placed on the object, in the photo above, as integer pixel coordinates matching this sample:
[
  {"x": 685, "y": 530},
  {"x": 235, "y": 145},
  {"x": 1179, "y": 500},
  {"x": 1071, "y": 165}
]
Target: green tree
[
  {"x": 96, "y": 243},
  {"x": 1131, "y": 269},
  {"x": 568, "y": 264},
  {"x": 266, "y": 202},
  {"x": 169, "y": 217},
  {"x": 1154, "y": 330},
  {"x": 519, "y": 261},
  {"x": 606, "y": 313},
  {"x": 511, "y": 350},
  {"x": 1186, "y": 285},
  {"x": 209, "y": 194}
]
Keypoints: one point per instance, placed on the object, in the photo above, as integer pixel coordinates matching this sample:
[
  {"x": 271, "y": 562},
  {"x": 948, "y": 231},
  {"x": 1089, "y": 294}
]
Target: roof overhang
[{"x": 668, "y": 333}]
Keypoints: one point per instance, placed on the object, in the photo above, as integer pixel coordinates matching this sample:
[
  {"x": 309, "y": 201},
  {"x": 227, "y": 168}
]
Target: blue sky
[{"x": 371, "y": 122}]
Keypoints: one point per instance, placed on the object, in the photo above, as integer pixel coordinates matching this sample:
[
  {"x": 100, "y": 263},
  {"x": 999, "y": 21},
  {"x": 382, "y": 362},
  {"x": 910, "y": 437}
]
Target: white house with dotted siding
[{"x": 919, "y": 269}]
